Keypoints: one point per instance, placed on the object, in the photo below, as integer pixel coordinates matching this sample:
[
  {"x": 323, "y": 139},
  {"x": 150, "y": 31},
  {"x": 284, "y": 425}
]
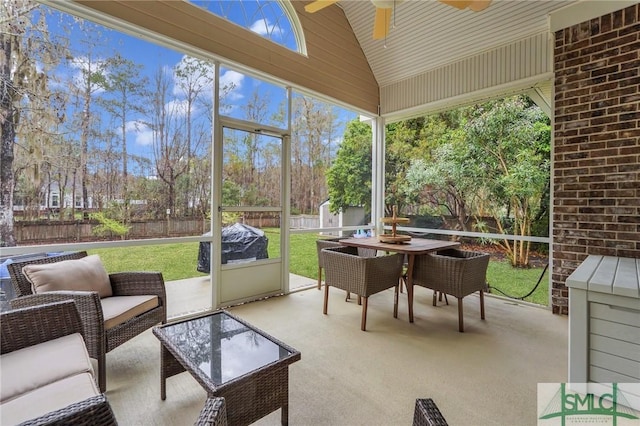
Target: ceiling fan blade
[
  {"x": 459, "y": 4},
  {"x": 318, "y": 5},
  {"x": 382, "y": 23},
  {"x": 479, "y": 5}
]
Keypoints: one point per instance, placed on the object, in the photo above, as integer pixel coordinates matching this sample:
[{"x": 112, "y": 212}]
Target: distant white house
[
  {"x": 52, "y": 199},
  {"x": 352, "y": 216}
]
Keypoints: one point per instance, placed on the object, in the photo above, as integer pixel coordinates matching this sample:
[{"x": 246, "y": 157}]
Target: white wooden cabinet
[{"x": 604, "y": 320}]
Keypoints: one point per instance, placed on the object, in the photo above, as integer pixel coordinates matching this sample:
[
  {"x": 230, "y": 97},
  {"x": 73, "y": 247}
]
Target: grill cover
[{"x": 239, "y": 243}]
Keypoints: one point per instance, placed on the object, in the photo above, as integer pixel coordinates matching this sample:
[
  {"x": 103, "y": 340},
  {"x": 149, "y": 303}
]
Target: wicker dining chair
[
  {"x": 364, "y": 276},
  {"x": 334, "y": 242},
  {"x": 455, "y": 272},
  {"x": 98, "y": 339},
  {"x": 320, "y": 245}
]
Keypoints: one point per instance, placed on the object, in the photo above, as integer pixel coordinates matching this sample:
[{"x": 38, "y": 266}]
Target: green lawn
[
  {"x": 518, "y": 282},
  {"x": 175, "y": 261},
  {"x": 179, "y": 261}
]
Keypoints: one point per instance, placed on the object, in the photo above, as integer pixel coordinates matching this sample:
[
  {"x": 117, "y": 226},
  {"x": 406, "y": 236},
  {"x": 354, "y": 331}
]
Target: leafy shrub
[{"x": 108, "y": 226}]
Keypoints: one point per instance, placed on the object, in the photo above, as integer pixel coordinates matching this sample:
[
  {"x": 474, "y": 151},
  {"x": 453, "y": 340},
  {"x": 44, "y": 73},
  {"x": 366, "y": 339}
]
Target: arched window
[{"x": 273, "y": 20}]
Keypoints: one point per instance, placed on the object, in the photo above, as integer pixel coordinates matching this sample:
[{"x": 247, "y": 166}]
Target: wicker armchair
[
  {"x": 333, "y": 242},
  {"x": 99, "y": 341},
  {"x": 363, "y": 276},
  {"x": 21, "y": 328},
  {"x": 455, "y": 272},
  {"x": 214, "y": 413}
]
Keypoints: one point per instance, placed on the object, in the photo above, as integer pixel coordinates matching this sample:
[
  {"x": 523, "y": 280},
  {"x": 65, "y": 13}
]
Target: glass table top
[{"x": 222, "y": 347}]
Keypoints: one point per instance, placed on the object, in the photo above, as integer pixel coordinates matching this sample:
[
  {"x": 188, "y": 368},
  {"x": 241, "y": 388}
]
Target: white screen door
[{"x": 251, "y": 219}]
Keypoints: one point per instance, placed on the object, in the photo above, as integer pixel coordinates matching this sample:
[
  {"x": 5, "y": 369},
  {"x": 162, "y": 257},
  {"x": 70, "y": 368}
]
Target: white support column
[
  {"x": 285, "y": 190},
  {"x": 552, "y": 142},
  {"x": 377, "y": 172},
  {"x": 216, "y": 193}
]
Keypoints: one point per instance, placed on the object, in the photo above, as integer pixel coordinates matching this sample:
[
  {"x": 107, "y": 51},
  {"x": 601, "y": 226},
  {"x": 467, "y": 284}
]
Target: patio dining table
[{"x": 412, "y": 248}]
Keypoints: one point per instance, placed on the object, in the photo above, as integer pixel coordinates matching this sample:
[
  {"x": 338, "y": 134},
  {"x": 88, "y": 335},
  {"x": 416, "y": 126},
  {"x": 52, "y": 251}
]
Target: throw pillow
[{"x": 85, "y": 274}]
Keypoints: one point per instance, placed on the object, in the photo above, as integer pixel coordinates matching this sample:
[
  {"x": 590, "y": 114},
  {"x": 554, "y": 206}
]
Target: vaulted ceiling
[{"x": 427, "y": 34}]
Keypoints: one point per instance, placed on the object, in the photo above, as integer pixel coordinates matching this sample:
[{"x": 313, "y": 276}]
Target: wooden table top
[{"x": 414, "y": 246}]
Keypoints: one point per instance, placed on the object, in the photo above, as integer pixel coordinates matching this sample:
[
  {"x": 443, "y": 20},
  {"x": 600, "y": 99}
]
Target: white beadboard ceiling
[{"x": 428, "y": 34}]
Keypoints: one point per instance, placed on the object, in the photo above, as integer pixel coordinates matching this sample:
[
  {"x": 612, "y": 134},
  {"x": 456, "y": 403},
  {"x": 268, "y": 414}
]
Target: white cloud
[
  {"x": 264, "y": 28},
  {"x": 232, "y": 80},
  {"x": 133, "y": 126},
  {"x": 143, "y": 134},
  {"x": 144, "y": 138},
  {"x": 176, "y": 108}
]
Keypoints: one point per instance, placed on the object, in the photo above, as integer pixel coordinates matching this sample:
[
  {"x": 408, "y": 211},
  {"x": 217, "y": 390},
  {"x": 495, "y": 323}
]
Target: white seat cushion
[
  {"x": 32, "y": 367},
  {"x": 48, "y": 398},
  {"x": 119, "y": 309}
]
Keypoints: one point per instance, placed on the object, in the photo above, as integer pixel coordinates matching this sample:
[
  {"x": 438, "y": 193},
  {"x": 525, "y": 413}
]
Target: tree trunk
[{"x": 7, "y": 136}]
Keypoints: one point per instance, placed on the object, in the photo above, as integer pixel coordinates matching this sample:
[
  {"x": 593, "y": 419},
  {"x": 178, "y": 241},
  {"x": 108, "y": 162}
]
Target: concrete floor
[
  {"x": 194, "y": 294},
  {"x": 485, "y": 376}
]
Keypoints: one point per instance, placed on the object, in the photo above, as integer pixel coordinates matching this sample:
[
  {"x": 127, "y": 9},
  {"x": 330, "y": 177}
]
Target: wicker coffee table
[{"x": 231, "y": 358}]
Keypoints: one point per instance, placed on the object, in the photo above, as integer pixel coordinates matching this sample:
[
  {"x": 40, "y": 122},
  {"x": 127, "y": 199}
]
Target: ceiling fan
[{"x": 384, "y": 9}]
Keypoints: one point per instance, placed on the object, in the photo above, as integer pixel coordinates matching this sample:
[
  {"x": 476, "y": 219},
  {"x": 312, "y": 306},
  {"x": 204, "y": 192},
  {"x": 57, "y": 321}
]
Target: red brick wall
[{"x": 596, "y": 156}]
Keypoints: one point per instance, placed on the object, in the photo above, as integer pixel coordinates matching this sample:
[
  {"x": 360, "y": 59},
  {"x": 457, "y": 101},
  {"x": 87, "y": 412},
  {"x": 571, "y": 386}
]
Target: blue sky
[{"x": 266, "y": 20}]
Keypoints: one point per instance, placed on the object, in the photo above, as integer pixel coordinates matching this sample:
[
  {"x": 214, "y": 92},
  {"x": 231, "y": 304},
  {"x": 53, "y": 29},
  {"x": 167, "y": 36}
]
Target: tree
[
  {"x": 495, "y": 162},
  {"x": 13, "y": 68},
  {"x": 193, "y": 78},
  {"x": 64, "y": 162},
  {"x": 313, "y": 133},
  {"x": 170, "y": 145},
  {"x": 404, "y": 140},
  {"x": 349, "y": 178},
  {"x": 252, "y": 160},
  {"x": 126, "y": 89},
  {"x": 105, "y": 177},
  {"x": 200, "y": 173},
  {"x": 445, "y": 183},
  {"x": 87, "y": 82},
  {"x": 28, "y": 109},
  {"x": 256, "y": 111},
  {"x": 200, "y": 183},
  {"x": 509, "y": 142}
]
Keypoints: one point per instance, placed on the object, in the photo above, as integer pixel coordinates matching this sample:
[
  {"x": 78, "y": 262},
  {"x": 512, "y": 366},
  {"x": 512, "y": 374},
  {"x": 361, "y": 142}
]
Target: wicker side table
[{"x": 229, "y": 358}]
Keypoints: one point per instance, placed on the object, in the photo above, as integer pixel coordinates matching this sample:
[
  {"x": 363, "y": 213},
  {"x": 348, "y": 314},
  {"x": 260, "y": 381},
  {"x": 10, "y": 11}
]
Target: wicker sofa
[
  {"x": 47, "y": 377},
  {"x": 137, "y": 302}
]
